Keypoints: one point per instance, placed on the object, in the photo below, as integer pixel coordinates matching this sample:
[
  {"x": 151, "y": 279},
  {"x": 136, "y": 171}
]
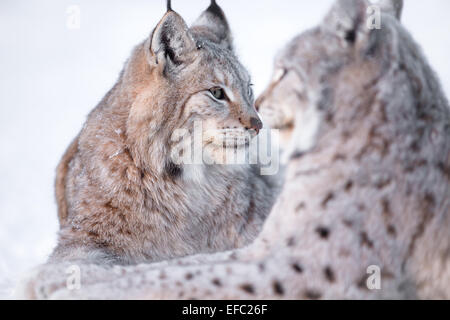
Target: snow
[{"x": 52, "y": 76}]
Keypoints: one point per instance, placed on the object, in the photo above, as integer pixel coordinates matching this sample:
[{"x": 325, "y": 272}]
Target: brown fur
[
  {"x": 60, "y": 182},
  {"x": 371, "y": 188},
  {"x": 120, "y": 196}
]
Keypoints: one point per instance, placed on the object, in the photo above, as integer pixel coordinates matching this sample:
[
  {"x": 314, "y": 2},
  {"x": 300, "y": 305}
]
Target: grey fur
[
  {"x": 122, "y": 198},
  {"x": 371, "y": 187}
]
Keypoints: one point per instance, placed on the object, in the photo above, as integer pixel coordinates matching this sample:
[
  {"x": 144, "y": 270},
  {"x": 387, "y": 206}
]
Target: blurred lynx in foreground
[{"x": 368, "y": 183}]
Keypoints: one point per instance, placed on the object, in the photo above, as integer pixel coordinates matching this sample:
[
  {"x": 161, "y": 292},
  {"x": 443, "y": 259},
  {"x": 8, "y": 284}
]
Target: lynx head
[
  {"x": 184, "y": 76},
  {"x": 331, "y": 67}
]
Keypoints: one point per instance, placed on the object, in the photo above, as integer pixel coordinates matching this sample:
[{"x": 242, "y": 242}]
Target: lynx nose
[{"x": 256, "y": 124}]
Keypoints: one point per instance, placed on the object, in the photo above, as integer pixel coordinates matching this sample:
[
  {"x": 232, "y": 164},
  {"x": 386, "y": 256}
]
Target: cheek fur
[{"x": 202, "y": 108}]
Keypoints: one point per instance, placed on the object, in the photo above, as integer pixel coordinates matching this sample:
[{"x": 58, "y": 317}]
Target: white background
[{"x": 51, "y": 77}]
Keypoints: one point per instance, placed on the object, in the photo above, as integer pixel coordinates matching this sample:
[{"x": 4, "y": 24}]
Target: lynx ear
[
  {"x": 347, "y": 19},
  {"x": 214, "y": 25},
  {"x": 395, "y": 7},
  {"x": 171, "y": 44}
]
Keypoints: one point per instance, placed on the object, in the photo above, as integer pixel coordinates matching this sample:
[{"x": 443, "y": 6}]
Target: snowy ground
[{"x": 52, "y": 76}]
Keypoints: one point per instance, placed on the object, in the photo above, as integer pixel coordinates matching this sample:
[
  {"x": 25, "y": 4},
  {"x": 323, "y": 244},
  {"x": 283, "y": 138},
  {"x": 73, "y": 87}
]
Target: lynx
[
  {"x": 365, "y": 210},
  {"x": 121, "y": 197}
]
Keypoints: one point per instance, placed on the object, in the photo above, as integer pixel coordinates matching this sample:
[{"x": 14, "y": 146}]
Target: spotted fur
[{"x": 370, "y": 188}]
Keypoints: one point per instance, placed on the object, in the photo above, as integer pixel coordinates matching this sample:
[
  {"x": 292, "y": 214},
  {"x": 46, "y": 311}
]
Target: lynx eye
[
  {"x": 350, "y": 36},
  {"x": 218, "y": 93},
  {"x": 250, "y": 90}
]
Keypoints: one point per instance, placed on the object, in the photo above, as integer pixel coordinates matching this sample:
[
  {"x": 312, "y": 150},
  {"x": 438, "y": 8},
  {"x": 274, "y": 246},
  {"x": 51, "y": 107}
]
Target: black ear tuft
[
  {"x": 169, "y": 5},
  {"x": 216, "y": 10}
]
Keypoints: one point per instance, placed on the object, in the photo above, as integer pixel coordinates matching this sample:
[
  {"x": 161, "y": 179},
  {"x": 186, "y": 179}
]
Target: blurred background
[{"x": 54, "y": 68}]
